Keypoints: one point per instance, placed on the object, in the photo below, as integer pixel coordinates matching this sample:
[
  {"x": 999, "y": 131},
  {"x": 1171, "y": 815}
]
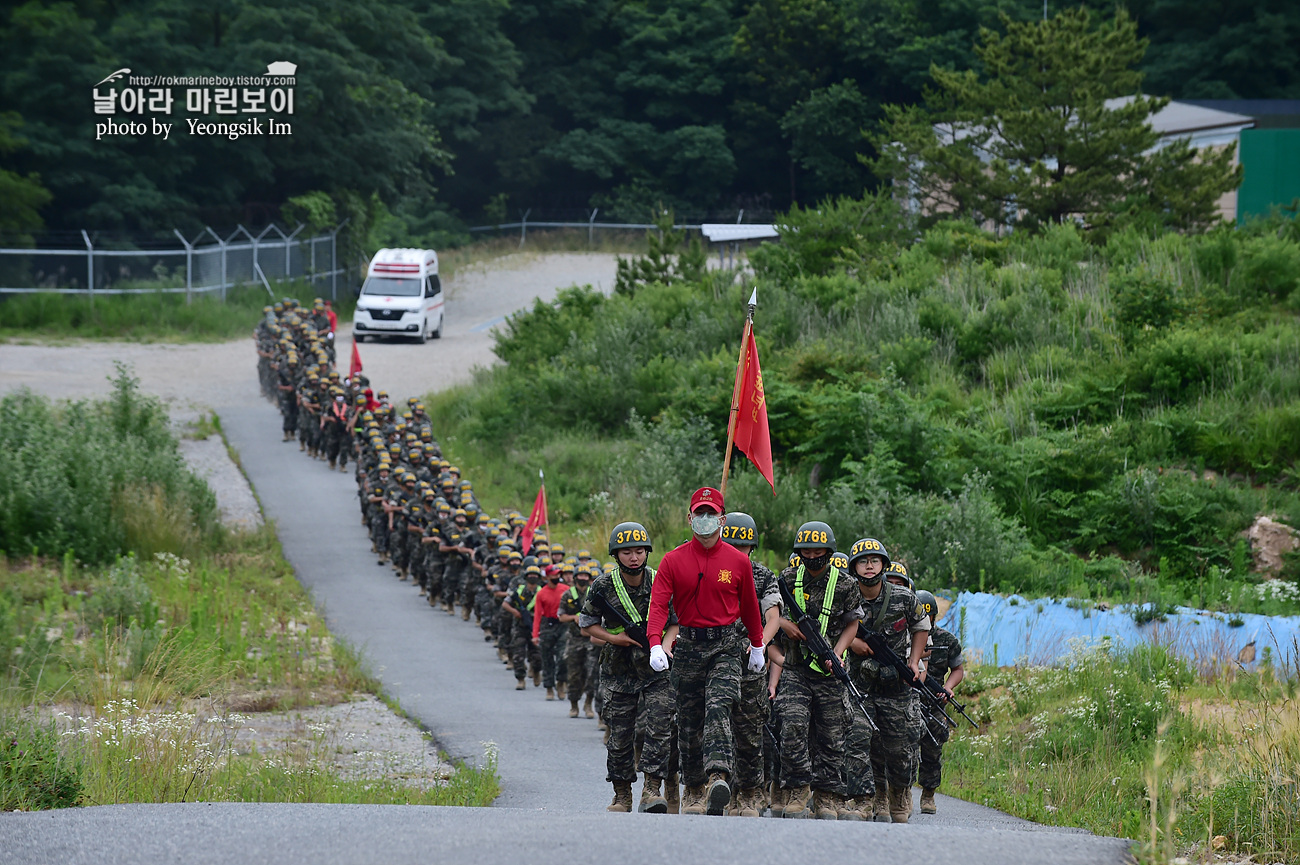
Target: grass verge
[
  {"x": 153, "y": 317},
  {"x": 1138, "y": 746},
  {"x": 129, "y": 684}
]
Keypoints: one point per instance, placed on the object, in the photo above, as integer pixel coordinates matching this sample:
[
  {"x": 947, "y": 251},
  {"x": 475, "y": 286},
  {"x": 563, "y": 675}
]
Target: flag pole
[
  {"x": 546, "y": 506},
  {"x": 735, "y": 391}
]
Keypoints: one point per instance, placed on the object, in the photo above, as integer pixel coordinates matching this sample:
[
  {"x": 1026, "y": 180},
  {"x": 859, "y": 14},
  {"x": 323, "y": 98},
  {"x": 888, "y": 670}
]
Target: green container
[{"x": 1271, "y": 160}]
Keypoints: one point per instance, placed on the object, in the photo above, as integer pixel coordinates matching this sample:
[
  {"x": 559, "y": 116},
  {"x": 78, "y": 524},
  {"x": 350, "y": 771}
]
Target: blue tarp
[{"x": 1014, "y": 630}]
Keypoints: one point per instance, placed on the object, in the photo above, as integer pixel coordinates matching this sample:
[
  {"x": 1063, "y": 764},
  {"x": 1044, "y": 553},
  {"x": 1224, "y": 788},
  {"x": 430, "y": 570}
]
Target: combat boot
[
  {"x": 927, "y": 801},
  {"x": 559, "y": 690},
  {"x": 464, "y": 615},
  {"x": 586, "y": 708},
  {"x": 331, "y": 465},
  {"x": 796, "y": 801},
  {"x": 519, "y": 684},
  {"x": 622, "y": 803},
  {"x": 853, "y": 810},
  {"x": 900, "y": 805},
  {"x": 880, "y": 805},
  {"x": 573, "y": 708},
  {"x": 550, "y": 694},
  {"x": 673, "y": 794},
  {"x": 719, "y": 794},
  {"x": 825, "y": 806},
  {"x": 652, "y": 800},
  {"x": 537, "y": 678},
  {"x": 693, "y": 800},
  {"x": 779, "y": 796},
  {"x": 401, "y": 574},
  {"x": 843, "y": 806},
  {"x": 750, "y": 802}
]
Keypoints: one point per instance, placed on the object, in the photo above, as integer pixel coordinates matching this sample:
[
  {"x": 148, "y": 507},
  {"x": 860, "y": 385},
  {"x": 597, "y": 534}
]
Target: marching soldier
[
  {"x": 809, "y": 701},
  {"x": 631, "y": 686},
  {"x": 946, "y": 666},
  {"x": 750, "y": 712},
  {"x": 880, "y": 767}
]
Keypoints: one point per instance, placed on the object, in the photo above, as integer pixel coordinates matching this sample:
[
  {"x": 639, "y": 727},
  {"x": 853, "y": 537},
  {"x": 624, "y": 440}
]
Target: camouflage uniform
[
  {"x": 631, "y": 688},
  {"x": 523, "y": 654},
  {"x": 751, "y": 711},
  {"x": 810, "y": 702},
  {"x": 581, "y": 657},
  {"x": 945, "y": 653},
  {"x": 870, "y": 760}
]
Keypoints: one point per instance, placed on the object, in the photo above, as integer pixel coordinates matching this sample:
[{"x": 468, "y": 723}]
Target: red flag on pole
[
  {"x": 752, "y": 436},
  {"x": 536, "y": 519},
  {"x": 356, "y": 361}
]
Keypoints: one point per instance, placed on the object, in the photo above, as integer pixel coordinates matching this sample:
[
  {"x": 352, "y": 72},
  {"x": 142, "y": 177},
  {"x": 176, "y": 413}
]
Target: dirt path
[{"x": 193, "y": 377}]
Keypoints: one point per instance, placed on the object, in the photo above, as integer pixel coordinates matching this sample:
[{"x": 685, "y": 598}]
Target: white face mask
[{"x": 705, "y": 524}]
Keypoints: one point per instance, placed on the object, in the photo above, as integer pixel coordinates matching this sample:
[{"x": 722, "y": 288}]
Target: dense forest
[{"x": 427, "y": 115}]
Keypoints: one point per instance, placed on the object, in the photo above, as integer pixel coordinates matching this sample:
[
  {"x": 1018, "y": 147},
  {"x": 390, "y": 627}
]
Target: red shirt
[
  {"x": 723, "y": 594},
  {"x": 334, "y": 319},
  {"x": 547, "y": 604}
]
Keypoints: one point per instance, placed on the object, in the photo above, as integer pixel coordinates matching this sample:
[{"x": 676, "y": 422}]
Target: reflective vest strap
[{"x": 824, "y": 613}]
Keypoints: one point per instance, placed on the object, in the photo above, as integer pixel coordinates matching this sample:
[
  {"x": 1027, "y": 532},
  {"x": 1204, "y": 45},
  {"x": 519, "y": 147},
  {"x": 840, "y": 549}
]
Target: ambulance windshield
[{"x": 391, "y": 287}]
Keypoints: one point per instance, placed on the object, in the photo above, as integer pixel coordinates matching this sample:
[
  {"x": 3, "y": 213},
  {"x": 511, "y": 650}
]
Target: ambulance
[{"x": 402, "y": 296}]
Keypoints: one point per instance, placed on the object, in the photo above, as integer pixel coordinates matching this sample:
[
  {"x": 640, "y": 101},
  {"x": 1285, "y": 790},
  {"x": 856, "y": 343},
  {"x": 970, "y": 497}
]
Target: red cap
[{"x": 707, "y": 497}]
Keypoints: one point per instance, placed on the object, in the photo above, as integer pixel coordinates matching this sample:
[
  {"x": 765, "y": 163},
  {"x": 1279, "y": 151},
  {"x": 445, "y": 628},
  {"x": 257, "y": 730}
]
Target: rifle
[
  {"x": 935, "y": 688},
  {"x": 633, "y": 630},
  {"x": 817, "y": 643},
  {"x": 886, "y": 656},
  {"x": 771, "y": 733}
]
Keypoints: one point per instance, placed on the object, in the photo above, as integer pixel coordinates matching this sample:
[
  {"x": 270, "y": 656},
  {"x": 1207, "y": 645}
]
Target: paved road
[{"x": 394, "y": 835}]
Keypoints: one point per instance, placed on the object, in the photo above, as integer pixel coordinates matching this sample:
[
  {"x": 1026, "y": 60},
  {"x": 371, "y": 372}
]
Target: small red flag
[
  {"x": 535, "y": 520},
  {"x": 752, "y": 436},
  {"x": 356, "y": 361}
]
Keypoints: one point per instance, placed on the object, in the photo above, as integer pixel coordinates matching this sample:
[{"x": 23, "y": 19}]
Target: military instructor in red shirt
[{"x": 710, "y": 585}]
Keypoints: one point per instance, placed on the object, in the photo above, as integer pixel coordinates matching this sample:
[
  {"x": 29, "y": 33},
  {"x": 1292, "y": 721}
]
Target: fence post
[
  {"x": 334, "y": 266},
  {"x": 313, "y": 264},
  {"x": 523, "y": 227},
  {"x": 300, "y": 227},
  {"x": 90, "y": 267},
  {"x": 189, "y": 260},
  {"x": 591, "y": 226},
  {"x": 222, "y": 244},
  {"x": 239, "y": 229}
]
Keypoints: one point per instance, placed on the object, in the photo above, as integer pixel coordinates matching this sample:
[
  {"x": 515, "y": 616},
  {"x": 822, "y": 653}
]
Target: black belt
[{"x": 708, "y": 635}]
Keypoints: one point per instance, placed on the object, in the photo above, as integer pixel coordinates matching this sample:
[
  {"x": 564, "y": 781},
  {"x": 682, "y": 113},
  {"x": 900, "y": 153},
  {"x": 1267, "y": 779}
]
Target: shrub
[{"x": 34, "y": 773}]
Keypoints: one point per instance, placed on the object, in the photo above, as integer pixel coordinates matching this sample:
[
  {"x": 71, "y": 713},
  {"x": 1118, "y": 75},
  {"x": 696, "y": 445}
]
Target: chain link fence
[{"x": 206, "y": 264}]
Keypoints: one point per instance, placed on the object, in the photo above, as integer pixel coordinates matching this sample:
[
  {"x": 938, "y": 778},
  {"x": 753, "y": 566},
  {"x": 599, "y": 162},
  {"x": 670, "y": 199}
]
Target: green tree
[
  {"x": 670, "y": 258},
  {"x": 22, "y": 194},
  {"x": 1055, "y": 130}
]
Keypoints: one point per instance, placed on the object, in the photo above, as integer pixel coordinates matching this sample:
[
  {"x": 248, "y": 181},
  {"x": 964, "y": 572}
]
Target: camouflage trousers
[
  {"x": 523, "y": 654},
  {"x": 434, "y": 564},
  {"x": 399, "y": 543},
  {"x": 453, "y": 579},
  {"x": 706, "y": 676},
  {"x": 289, "y": 414},
  {"x": 931, "y": 756},
  {"x": 582, "y": 660},
  {"x": 884, "y": 757},
  {"x": 505, "y": 629},
  {"x": 813, "y": 729},
  {"x": 551, "y": 634},
  {"x": 654, "y": 707},
  {"x": 485, "y": 608},
  {"x": 748, "y": 716},
  {"x": 379, "y": 529}
]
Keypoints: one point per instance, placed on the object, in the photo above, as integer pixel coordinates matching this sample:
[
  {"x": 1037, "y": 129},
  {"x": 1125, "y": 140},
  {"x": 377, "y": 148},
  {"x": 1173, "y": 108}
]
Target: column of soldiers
[{"x": 839, "y": 735}]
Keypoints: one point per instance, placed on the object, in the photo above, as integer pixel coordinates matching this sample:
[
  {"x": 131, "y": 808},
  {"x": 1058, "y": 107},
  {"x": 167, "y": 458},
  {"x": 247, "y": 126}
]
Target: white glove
[
  {"x": 756, "y": 659},
  {"x": 658, "y": 659}
]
